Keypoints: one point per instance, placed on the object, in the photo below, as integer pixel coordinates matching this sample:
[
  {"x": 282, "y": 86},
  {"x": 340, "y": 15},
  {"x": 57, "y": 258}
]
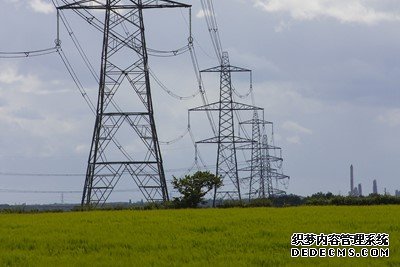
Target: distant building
[
  {"x": 351, "y": 178},
  {"x": 374, "y": 187},
  {"x": 386, "y": 192},
  {"x": 397, "y": 194},
  {"x": 352, "y": 191},
  {"x": 355, "y": 192},
  {"x": 359, "y": 190}
]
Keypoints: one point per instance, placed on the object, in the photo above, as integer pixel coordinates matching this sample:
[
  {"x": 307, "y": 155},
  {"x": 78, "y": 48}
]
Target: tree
[{"x": 194, "y": 187}]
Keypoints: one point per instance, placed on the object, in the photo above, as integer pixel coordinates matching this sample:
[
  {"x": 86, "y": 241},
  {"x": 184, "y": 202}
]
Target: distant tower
[
  {"x": 355, "y": 192},
  {"x": 226, "y": 139},
  {"x": 359, "y": 190},
  {"x": 374, "y": 187},
  {"x": 351, "y": 193}
]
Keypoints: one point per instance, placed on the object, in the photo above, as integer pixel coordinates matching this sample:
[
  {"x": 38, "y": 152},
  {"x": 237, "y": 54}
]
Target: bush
[
  {"x": 260, "y": 202},
  {"x": 231, "y": 204}
]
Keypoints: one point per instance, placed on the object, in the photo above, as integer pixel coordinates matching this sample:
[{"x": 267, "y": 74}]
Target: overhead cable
[
  {"x": 168, "y": 91},
  {"x": 27, "y": 54}
]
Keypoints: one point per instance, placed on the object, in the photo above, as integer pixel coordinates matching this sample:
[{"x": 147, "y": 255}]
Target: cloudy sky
[{"x": 326, "y": 72}]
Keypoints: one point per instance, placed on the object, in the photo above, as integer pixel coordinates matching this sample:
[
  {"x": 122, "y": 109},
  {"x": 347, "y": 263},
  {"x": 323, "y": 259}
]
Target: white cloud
[
  {"x": 13, "y": 1},
  {"x": 295, "y": 130},
  {"x": 275, "y": 96},
  {"x": 346, "y": 11},
  {"x": 200, "y": 14},
  {"x": 26, "y": 114},
  {"x": 295, "y": 127},
  {"x": 390, "y": 117},
  {"x": 282, "y": 26},
  {"x": 250, "y": 59},
  {"x": 41, "y": 6},
  {"x": 205, "y": 12},
  {"x": 9, "y": 75},
  {"x": 32, "y": 117},
  {"x": 294, "y": 140},
  {"x": 11, "y": 79},
  {"x": 81, "y": 148}
]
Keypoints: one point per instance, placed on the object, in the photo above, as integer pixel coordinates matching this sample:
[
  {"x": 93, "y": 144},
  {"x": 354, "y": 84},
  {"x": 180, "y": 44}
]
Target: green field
[{"x": 203, "y": 237}]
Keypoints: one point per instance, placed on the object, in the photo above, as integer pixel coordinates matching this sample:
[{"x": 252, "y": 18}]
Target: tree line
[{"x": 194, "y": 187}]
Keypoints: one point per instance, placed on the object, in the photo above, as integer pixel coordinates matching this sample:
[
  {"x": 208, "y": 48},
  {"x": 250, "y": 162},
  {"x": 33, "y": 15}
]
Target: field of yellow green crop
[{"x": 203, "y": 237}]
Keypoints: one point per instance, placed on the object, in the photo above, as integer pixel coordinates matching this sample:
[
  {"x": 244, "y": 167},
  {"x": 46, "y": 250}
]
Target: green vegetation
[
  {"x": 331, "y": 199},
  {"x": 326, "y": 199},
  {"x": 188, "y": 237},
  {"x": 194, "y": 187}
]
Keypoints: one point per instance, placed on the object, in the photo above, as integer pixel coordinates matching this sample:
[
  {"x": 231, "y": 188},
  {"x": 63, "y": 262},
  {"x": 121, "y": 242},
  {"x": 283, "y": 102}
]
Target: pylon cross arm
[{"x": 113, "y": 4}]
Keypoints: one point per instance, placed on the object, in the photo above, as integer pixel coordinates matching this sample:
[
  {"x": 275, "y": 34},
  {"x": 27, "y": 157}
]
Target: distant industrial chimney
[
  {"x": 355, "y": 192},
  {"x": 374, "y": 187},
  {"x": 359, "y": 190},
  {"x": 351, "y": 193}
]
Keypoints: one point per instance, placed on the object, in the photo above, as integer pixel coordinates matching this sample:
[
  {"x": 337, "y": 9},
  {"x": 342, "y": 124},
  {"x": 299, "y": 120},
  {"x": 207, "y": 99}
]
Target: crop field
[{"x": 202, "y": 237}]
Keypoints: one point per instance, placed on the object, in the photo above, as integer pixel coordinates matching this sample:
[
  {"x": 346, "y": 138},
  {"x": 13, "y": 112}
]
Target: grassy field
[{"x": 208, "y": 237}]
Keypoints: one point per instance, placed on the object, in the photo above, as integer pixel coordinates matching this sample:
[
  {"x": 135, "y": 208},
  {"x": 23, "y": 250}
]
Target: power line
[
  {"x": 168, "y": 53},
  {"x": 41, "y": 174},
  {"x": 209, "y": 15},
  {"x": 27, "y": 54},
  {"x": 168, "y": 91},
  {"x": 7, "y": 190}
]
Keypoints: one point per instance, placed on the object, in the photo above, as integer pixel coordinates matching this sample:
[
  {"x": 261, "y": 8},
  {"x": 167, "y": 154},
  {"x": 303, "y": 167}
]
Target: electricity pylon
[
  {"x": 266, "y": 161},
  {"x": 258, "y": 180},
  {"x": 272, "y": 156},
  {"x": 124, "y": 102},
  {"x": 227, "y": 166}
]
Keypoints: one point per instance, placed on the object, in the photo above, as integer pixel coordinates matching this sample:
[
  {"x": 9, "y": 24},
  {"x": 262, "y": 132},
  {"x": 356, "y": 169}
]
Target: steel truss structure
[
  {"x": 258, "y": 179},
  {"x": 272, "y": 157},
  {"x": 227, "y": 141},
  {"x": 266, "y": 161},
  {"x": 124, "y": 75}
]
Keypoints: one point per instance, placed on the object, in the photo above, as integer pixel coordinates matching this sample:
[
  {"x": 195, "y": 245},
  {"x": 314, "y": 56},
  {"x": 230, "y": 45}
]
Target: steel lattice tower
[
  {"x": 262, "y": 162},
  {"x": 257, "y": 169},
  {"x": 124, "y": 70},
  {"x": 266, "y": 161},
  {"x": 272, "y": 164},
  {"x": 227, "y": 166}
]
